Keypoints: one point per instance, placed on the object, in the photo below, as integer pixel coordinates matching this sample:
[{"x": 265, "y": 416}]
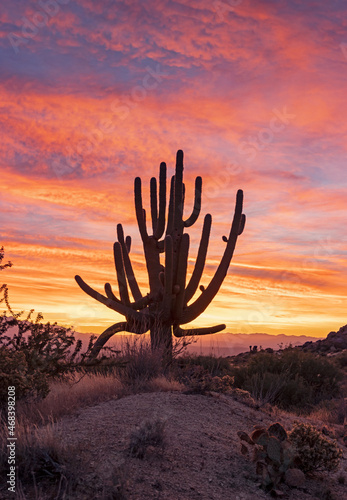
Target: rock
[
  {"x": 295, "y": 478},
  {"x": 335, "y": 342}
]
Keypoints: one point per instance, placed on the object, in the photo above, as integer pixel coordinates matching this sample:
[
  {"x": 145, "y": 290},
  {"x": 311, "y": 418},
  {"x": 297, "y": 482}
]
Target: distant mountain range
[
  {"x": 224, "y": 344},
  {"x": 219, "y": 344}
]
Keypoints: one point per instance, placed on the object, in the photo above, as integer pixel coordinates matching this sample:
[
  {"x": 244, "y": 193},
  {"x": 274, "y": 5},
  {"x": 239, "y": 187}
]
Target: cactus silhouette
[{"x": 166, "y": 306}]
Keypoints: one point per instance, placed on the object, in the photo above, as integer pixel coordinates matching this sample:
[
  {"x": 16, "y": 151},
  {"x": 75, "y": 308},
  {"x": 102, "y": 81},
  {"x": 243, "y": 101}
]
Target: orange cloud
[{"x": 103, "y": 94}]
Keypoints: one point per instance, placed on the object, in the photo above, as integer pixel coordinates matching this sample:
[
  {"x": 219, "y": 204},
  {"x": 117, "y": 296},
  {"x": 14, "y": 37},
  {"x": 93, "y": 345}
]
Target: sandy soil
[{"x": 200, "y": 460}]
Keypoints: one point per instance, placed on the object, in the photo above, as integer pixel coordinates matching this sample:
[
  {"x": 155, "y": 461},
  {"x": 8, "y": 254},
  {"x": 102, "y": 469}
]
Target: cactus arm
[
  {"x": 197, "y": 204},
  {"x": 241, "y": 228},
  {"x": 161, "y": 246},
  {"x": 198, "y": 307},
  {"x": 144, "y": 219},
  {"x": 242, "y": 224},
  {"x": 168, "y": 276},
  {"x": 180, "y": 332},
  {"x": 122, "y": 326},
  {"x": 122, "y": 282},
  {"x": 128, "y": 243},
  {"x": 162, "y": 202},
  {"x": 200, "y": 260},
  {"x": 106, "y": 335},
  {"x": 141, "y": 220},
  {"x": 142, "y": 303},
  {"x": 134, "y": 287},
  {"x": 181, "y": 276},
  {"x": 154, "y": 205},
  {"x": 178, "y": 203},
  {"x": 170, "y": 221},
  {"x": 116, "y": 306},
  {"x": 110, "y": 294}
]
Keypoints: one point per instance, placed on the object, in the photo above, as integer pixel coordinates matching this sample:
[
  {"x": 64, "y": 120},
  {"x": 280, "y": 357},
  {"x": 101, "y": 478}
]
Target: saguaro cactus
[{"x": 166, "y": 306}]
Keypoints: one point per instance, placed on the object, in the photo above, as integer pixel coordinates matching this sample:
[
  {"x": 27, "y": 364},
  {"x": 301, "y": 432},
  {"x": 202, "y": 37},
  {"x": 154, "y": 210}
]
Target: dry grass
[
  {"x": 141, "y": 363},
  {"x": 40, "y": 458},
  {"x": 49, "y": 470},
  {"x": 142, "y": 373},
  {"x": 68, "y": 398},
  {"x": 65, "y": 398},
  {"x": 163, "y": 384},
  {"x": 331, "y": 412}
]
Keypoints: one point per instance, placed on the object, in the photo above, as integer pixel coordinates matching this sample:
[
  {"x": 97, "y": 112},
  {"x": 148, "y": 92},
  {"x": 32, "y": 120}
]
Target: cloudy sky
[{"x": 95, "y": 93}]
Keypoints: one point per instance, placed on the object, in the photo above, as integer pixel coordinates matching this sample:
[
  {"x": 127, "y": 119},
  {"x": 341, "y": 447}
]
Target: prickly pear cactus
[{"x": 272, "y": 454}]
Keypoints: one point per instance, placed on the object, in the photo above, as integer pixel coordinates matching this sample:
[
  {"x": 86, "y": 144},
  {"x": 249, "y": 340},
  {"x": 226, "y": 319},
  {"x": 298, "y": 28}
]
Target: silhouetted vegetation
[
  {"x": 280, "y": 456},
  {"x": 292, "y": 379},
  {"x": 315, "y": 451},
  {"x": 150, "y": 433},
  {"x": 201, "y": 374},
  {"x": 166, "y": 306}
]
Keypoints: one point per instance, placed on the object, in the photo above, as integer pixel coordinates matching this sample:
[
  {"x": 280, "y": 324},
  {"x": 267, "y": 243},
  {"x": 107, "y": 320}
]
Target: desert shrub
[
  {"x": 201, "y": 374},
  {"x": 15, "y": 371},
  {"x": 39, "y": 453},
  {"x": 216, "y": 367},
  {"x": 33, "y": 353},
  {"x": 315, "y": 452},
  {"x": 341, "y": 359},
  {"x": 331, "y": 411},
  {"x": 149, "y": 433},
  {"x": 197, "y": 380},
  {"x": 292, "y": 379},
  {"x": 139, "y": 363}
]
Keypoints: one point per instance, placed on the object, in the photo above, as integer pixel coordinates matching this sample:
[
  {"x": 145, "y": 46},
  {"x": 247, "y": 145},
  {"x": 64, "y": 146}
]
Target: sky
[{"x": 94, "y": 94}]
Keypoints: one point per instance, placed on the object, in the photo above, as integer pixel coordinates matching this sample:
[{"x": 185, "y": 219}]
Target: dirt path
[{"x": 201, "y": 458}]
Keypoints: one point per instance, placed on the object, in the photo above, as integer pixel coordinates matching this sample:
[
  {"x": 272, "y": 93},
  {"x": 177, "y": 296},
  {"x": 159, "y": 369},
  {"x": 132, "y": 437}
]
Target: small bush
[
  {"x": 291, "y": 380},
  {"x": 149, "y": 433},
  {"x": 216, "y": 367},
  {"x": 341, "y": 359},
  {"x": 39, "y": 453},
  {"x": 201, "y": 374},
  {"x": 33, "y": 355},
  {"x": 200, "y": 381},
  {"x": 331, "y": 412},
  {"x": 315, "y": 452},
  {"x": 140, "y": 363}
]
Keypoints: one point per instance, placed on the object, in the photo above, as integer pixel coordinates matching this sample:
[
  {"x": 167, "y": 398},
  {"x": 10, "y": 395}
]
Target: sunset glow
[{"x": 94, "y": 94}]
